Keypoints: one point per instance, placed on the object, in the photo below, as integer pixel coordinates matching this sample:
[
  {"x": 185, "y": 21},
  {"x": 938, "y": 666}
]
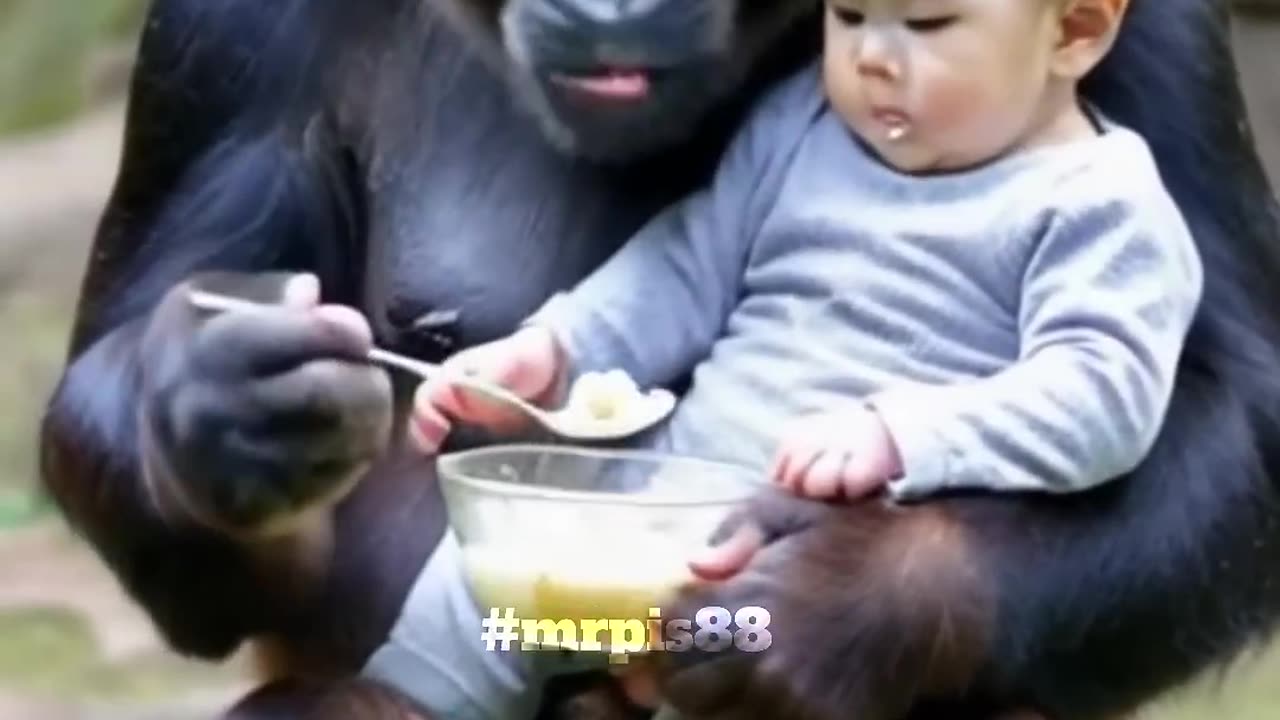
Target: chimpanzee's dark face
[{"x": 611, "y": 79}]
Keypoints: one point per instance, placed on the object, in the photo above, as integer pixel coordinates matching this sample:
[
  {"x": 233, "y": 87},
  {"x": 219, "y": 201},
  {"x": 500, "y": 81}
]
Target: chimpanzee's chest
[{"x": 473, "y": 220}]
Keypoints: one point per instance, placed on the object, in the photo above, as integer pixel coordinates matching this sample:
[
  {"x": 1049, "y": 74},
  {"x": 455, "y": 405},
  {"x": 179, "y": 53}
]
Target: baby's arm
[
  {"x": 656, "y": 306},
  {"x": 1108, "y": 296}
]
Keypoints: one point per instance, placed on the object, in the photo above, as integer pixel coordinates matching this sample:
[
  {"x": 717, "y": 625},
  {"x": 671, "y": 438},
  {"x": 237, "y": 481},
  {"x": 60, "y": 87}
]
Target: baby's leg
[{"x": 436, "y": 654}]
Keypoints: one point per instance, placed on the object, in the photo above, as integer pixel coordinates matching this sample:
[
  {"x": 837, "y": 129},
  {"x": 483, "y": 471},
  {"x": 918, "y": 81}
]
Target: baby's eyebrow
[{"x": 906, "y": 7}]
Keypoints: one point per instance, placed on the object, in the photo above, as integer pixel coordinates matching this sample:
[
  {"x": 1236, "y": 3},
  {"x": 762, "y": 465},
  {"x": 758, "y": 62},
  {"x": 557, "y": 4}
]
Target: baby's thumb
[
  {"x": 495, "y": 367},
  {"x": 522, "y": 363}
]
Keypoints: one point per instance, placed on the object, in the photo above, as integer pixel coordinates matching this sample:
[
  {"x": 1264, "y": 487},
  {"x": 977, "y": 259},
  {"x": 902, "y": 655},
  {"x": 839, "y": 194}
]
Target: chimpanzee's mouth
[{"x": 614, "y": 84}]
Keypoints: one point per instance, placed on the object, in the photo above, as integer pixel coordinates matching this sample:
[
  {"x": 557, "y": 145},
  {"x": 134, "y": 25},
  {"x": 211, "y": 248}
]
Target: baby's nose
[{"x": 877, "y": 57}]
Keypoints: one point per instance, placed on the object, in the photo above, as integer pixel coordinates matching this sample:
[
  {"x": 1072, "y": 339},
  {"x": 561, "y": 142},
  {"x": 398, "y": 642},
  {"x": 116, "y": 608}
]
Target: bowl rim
[{"x": 520, "y": 490}]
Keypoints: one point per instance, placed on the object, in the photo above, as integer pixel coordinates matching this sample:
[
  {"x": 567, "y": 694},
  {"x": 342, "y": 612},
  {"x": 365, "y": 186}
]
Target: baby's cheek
[{"x": 972, "y": 119}]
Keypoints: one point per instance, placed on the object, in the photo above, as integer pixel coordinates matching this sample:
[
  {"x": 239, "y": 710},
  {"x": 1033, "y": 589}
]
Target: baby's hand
[
  {"x": 526, "y": 362},
  {"x": 827, "y": 454}
]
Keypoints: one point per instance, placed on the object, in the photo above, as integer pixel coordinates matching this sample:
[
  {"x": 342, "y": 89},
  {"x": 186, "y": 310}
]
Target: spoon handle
[
  {"x": 424, "y": 370},
  {"x": 222, "y": 303}
]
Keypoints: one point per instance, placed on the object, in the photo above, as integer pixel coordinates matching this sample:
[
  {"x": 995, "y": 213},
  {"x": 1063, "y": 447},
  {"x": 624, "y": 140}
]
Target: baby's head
[{"x": 937, "y": 85}]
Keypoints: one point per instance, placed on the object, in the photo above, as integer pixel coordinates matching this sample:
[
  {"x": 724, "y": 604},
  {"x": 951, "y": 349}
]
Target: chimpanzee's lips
[{"x": 614, "y": 84}]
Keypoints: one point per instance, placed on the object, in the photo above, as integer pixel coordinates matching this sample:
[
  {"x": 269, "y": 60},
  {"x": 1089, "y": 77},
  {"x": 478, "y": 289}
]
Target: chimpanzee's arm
[{"x": 219, "y": 172}]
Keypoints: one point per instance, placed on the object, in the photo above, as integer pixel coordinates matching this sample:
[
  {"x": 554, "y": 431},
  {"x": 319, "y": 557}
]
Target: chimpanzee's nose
[
  {"x": 606, "y": 12},
  {"x": 628, "y": 32}
]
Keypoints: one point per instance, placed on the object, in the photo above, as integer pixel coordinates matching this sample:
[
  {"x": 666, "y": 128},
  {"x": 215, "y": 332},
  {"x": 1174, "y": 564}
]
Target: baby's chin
[
  {"x": 916, "y": 156},
  {"x": 911, "y": 164},
  {"x": 915, "y": 151},
  {"x": 905, "y": 156}
]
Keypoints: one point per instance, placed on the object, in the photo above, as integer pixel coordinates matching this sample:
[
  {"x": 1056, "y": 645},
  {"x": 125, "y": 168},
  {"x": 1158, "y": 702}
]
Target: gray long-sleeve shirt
[{"x": 1016, "y": 325}]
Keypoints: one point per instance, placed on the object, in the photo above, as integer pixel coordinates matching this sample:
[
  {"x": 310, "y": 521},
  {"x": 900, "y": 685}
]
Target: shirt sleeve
[
  {"x": 659, "y": 303},
  {"x": 1108, "y": 296}
]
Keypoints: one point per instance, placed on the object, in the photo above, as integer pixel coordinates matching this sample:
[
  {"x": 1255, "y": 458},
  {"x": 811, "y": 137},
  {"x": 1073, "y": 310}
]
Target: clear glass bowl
[{"x": 572, "y": 533}]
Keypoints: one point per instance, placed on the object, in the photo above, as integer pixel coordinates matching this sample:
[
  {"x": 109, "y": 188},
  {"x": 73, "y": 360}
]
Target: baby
[{"x": 925, "y": 266}]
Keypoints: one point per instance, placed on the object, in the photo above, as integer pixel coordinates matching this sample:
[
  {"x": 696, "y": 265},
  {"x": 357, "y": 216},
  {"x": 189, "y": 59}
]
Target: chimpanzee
[{"x": 244, "y": 474}]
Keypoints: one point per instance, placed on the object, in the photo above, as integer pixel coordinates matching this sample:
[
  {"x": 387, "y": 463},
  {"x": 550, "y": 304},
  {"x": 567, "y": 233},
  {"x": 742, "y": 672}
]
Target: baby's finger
[
  {"x": 519, "y": 363},
  {"x": 822, "y": 479},
  {"x": 428, "y": 428},
  {"x": 781, "y": 459},
  {"x": 443, "y": 395},
  {"x": 457, "y": 401},
  {"x": 859, "y": 476},
  {"x": 796, "y": 464}
]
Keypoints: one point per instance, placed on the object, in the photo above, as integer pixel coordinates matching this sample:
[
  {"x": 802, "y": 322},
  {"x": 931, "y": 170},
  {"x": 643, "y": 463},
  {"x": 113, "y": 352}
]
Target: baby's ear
[{"x": 1087, "y": 30}]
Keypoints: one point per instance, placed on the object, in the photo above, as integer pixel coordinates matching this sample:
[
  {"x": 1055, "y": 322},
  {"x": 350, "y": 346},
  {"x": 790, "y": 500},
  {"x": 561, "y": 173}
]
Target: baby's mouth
[{"x": 895, "y": 122}]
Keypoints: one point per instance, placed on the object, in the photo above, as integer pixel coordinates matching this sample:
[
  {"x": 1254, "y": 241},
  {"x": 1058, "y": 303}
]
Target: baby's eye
[
  {"x": 926, "y": 25},
  {"x": 847, "y": 16}
]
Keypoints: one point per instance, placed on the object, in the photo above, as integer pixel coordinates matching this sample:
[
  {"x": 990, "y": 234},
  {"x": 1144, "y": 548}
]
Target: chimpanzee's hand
[
  {"x": 851, "y": 611},
  {"x": 249, "y": 418}
]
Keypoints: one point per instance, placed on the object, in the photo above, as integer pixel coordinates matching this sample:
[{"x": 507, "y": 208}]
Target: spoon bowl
[{"x": 642, "y": 412}]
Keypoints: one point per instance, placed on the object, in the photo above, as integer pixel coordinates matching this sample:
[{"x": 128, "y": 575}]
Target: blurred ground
[{"x": 71, "y": 646}]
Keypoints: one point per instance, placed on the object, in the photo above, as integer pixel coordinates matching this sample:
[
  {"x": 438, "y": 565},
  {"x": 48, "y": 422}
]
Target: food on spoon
[{"x": 604, "y": 395}]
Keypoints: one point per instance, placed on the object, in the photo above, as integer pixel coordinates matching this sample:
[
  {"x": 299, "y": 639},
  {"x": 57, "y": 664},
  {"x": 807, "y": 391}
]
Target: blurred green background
[
  {"x": 71, "y": 646},
  {"x": 49, "y": 52}
]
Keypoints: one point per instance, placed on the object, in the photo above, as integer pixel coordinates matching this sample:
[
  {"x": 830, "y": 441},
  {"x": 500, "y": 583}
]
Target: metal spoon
[{"x": 652, "y": 408}]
